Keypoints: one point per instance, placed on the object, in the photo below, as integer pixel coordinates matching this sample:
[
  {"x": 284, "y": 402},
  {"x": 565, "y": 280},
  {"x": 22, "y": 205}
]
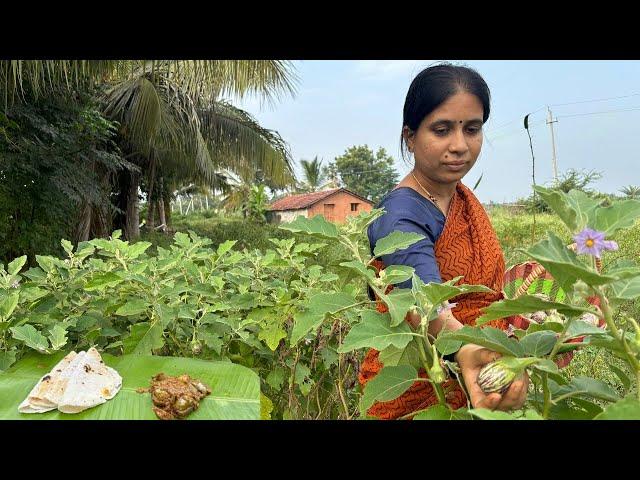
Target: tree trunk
[
  {"x": 166, "y": 196},
  {"x": 151, "y": 194},
  {"x": 132, "y": 220},
  {"x": 151, "y": 214},
  {"x": 94, "y": 221},
  {"x": 160, "y": 204},
  {"x": 161, "y": 214},
  {"x": 100, "y": 223},
  {"x": 84, "y": 224}
]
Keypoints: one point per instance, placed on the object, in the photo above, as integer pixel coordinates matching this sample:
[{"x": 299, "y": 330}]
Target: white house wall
[{"x": 290, "y": 215}]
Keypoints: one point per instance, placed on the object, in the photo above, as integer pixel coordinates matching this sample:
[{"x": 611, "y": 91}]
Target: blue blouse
[{"x": 408, "y": 211}]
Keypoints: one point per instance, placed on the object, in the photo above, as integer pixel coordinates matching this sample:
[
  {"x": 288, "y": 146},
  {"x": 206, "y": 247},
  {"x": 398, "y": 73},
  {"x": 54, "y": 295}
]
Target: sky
[{"x": 339, "y": 104}]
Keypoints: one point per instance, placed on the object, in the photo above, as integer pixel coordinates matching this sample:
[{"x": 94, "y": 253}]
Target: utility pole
[{"x": 550, "y": 122}]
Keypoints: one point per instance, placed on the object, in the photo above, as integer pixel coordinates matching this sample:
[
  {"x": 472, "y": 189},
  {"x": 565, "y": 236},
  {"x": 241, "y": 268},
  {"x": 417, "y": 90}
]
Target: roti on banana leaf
[{"x": 235, "y": 389}]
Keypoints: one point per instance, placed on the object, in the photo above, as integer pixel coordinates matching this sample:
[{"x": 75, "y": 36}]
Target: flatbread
[
  {"x": 91, "y": 383},
  {"x": 38, "y": 400},
  {"x": 78, "y": 382}
]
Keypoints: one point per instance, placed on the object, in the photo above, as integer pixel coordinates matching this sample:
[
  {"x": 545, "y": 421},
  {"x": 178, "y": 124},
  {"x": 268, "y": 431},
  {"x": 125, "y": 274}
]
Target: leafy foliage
[
  {"x": 572, "y": 179},
  {"x": 364, "y": 172},
  {"x": 302, "y": 324},
  {"x": 314, "y": 176},
  {"x": 55, "y": 156}
]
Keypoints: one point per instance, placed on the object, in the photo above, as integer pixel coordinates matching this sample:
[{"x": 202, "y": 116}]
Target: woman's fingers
[
  {"x": 486, "y": 356},
  {"x": 479, "y": 399},
  {"x": 516, "y": 395},
  {"x": 490, "y": 401}
]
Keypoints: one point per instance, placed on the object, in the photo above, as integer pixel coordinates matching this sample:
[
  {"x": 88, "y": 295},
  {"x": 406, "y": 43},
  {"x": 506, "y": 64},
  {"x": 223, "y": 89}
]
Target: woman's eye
[
  {"x": 441, "y": 131},
  {"x": 473, "y": 130}
]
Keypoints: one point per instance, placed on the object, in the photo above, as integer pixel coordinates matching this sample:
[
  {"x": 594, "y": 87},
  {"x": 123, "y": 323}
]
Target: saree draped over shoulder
[{"x": 467, "y": 247}]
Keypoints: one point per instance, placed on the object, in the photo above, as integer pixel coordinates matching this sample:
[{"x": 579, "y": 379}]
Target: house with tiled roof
[{"x": 335, "y": 205}]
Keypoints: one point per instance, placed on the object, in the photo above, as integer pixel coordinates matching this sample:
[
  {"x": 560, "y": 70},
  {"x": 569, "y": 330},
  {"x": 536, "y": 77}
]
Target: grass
[{"x": 516, "y": 231}]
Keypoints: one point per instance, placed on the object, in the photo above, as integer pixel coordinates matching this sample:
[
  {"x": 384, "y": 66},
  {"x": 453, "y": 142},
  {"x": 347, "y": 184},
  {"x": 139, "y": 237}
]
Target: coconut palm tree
[
  {"x": 631, "y": 191},
  {"x": 165, "y": 124},
  {"x": 314, "y": 176},
  {"x": 172, "y": 116}
]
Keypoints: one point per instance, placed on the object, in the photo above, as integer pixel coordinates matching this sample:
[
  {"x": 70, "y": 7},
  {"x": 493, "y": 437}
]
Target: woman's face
[{"x": 448, "y": 141}]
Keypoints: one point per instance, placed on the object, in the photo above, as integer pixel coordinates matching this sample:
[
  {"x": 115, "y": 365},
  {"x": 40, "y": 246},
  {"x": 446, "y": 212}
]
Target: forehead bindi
[
  {"x": 462, "y": 107},
  {"x": 450, "y": 122}
]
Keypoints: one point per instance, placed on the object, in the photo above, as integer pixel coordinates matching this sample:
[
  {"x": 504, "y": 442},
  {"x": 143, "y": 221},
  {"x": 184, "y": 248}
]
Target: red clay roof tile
[{"x": 305, "y": 200}]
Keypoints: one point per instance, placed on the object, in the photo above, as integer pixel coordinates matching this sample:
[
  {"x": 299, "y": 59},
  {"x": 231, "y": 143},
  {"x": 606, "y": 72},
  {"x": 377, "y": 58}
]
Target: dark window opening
[{"x": 354, "y": 207}]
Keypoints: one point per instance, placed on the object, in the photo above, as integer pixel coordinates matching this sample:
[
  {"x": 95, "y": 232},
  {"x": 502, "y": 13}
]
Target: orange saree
[{"x": 467, "y": 247}]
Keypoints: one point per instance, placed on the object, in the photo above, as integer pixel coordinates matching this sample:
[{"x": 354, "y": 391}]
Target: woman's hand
[{"x": 471, "y": 359}]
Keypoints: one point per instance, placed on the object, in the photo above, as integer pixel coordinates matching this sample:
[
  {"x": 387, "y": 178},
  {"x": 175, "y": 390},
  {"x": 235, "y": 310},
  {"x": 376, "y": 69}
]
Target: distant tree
[
  {"x": 572, "y": 179},
  {"x": 577, "y": 180},
  {"x": 314, "y": 176},
  {"x": 630, "y": 191},
  {"x": 333, "y": 179},
  {"x": 247, "y": 196},
  {"x": 365, "y": 173}
]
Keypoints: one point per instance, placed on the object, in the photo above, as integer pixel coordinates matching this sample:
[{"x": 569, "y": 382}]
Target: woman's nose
[{"x": 458, "y": 142}]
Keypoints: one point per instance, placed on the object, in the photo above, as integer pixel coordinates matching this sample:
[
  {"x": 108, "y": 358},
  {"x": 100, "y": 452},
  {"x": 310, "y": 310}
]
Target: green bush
[
  {"x": 249, "y": 234},
  {"x": 193, "y": 300},
  {"x": 54, "y": 156}
]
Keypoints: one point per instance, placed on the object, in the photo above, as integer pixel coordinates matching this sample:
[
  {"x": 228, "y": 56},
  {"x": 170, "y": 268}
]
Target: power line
[
  {"x": 595, "y": 100},
  {"x": 632, "y": 109},
  {"x": 563, "y": 104},
  {"x": 519, "y": 119},
  {"x": 513, "y": 132}
]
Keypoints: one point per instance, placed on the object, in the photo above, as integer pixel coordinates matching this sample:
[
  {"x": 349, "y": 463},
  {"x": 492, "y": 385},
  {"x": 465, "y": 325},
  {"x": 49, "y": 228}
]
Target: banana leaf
[{"x": 235, "y": 389}]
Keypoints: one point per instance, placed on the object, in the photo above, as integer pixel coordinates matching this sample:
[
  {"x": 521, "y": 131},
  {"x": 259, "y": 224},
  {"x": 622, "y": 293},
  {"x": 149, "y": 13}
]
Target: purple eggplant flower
[{"x": 593, "y": 242}]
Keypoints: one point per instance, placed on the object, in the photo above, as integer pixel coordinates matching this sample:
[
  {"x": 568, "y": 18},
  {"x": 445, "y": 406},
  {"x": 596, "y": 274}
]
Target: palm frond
[
  {"x": 209, "y": 80},
  {"x": 136, "y": 105},
  {"x": 157, "y": 118},
  {"x": 180, "y": 141},
  {"x": 312, "y": 171},
  {"x": 43, "y": 77},
  {"x": 238, "y": 143}
]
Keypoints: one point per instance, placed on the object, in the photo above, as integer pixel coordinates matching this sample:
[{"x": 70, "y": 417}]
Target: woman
[{"x": 444, "y": 111}]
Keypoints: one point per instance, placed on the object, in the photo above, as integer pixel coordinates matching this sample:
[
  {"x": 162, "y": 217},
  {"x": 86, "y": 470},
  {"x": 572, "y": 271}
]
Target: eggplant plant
[
  {"x": 303, "y": 326},
  {"x": 405, "y": 350}
]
